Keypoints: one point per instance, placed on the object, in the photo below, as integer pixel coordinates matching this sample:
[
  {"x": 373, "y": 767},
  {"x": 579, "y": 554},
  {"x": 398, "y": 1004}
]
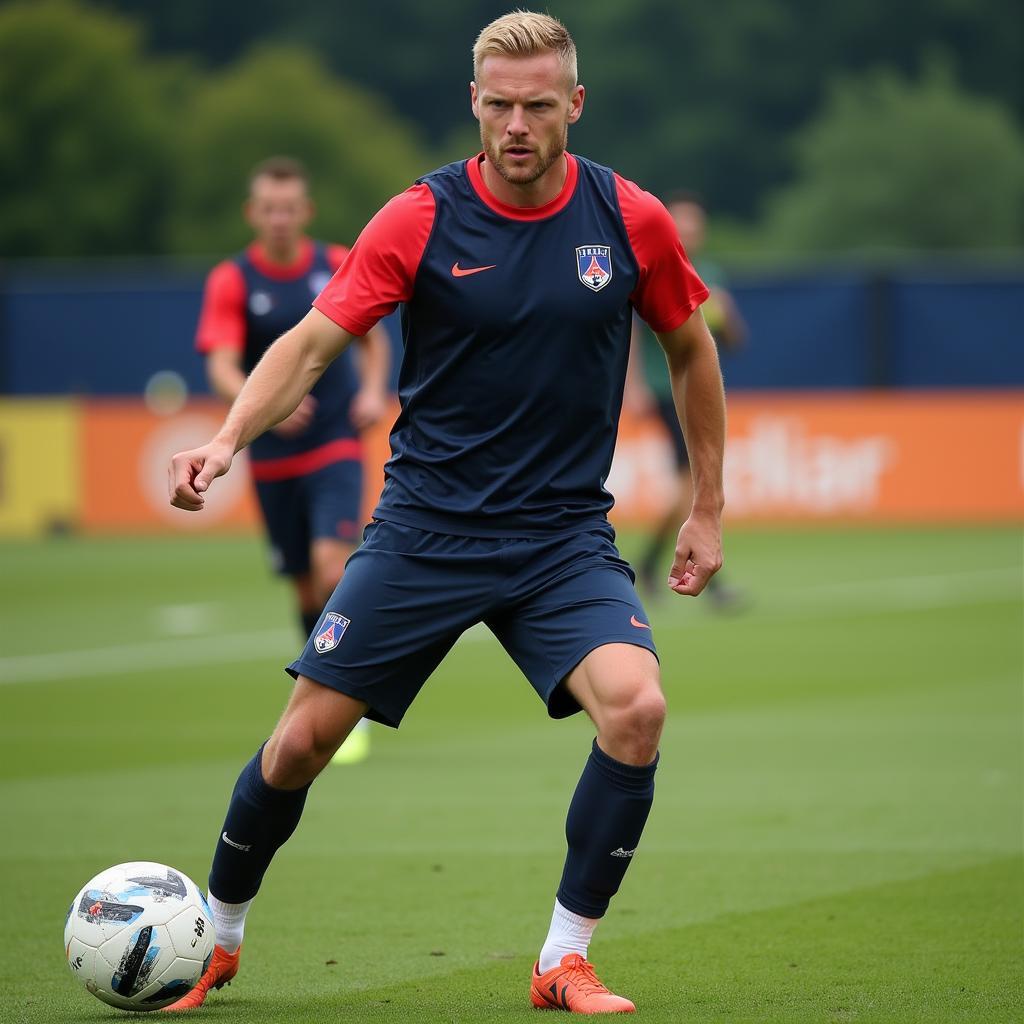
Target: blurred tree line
[{"x": 128, "y": 126}]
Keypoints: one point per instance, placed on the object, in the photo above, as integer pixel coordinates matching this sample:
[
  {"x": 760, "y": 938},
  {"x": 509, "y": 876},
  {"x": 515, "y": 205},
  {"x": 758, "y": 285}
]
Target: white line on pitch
[
  {"x": 884, "y": 594},
  {"x": 119, "y": 658},
  {"x": 902, "y": 592}
]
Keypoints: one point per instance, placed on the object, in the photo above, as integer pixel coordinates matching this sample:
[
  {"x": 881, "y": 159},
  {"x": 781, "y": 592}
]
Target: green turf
[{"x": 837, "y": 834}]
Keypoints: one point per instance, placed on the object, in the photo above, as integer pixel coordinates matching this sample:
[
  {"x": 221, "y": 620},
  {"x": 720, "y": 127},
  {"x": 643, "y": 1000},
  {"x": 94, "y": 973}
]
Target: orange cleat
[
  {"x": 574, "y": 986},
  {"x": 223, "y": 967}
]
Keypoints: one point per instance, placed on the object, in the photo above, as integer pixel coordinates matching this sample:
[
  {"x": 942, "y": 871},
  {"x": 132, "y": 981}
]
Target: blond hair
[{"x": 525, "y": 34}]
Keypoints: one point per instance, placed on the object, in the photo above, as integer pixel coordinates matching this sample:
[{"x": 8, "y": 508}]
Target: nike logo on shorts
[{"x": 634, "y": 621}]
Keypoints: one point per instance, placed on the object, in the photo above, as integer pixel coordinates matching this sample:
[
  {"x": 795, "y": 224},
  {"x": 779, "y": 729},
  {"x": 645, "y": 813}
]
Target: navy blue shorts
[
  {"x": 408, "y": 594},
  {"x": 302, "y": 509}
]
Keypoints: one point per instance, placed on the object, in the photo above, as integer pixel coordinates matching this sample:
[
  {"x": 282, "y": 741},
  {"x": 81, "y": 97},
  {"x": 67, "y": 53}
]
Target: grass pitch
[{"x": 837, "y": 833}]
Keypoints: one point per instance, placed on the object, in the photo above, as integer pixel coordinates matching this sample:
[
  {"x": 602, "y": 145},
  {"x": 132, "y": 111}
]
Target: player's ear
[
  {"x": 576, "y": 103},
  {"x": 474, "y": 100},
  {"x": 247, "y": 212}
]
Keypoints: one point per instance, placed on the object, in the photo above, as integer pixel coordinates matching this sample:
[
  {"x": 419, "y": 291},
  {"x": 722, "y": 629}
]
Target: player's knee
[
  {"x": 294, "y": 755},
  {"x": 633, "y": 729},
  {"x": 646, "y": 714}
]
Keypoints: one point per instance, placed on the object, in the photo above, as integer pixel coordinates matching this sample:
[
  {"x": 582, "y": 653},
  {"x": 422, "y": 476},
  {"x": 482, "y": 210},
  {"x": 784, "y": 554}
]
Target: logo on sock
[
  {"x": 331, "y": 630},
  {"x": 238, "y": 846},
  {"x": 620, "y": 852}
]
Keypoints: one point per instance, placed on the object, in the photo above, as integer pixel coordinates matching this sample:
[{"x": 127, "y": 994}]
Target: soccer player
[
  {"x": 307, "y": 470},
  {"x": 649, "y": 388},
  {"x": 518, "y": 269}
]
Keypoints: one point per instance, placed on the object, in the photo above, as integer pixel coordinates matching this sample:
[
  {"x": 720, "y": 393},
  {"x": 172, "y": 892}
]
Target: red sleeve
[
  {"x": 668, "y": 289},
  {"x": 222, "y": 318},
  {"x": 336, "y": 256},
  {"x": 380, "y": 271}
]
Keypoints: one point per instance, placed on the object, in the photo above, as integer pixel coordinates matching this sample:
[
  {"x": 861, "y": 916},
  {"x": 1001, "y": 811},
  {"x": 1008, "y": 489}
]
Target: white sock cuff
[
  {"x": 227, "y": 911},
  {"x": 574, "y": 922}
]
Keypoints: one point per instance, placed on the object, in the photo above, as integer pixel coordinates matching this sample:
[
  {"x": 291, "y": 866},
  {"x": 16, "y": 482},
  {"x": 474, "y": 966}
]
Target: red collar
[
  {"x": 299, "y": 267},
  {"x": 550, "y": 208}
]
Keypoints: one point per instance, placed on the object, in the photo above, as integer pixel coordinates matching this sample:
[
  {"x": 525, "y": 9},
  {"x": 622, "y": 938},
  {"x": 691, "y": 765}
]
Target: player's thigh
[
  {"x": 404, "y": 600},
  {"x": 582, "y": 601},
  {"x": 283, "y": 507}
]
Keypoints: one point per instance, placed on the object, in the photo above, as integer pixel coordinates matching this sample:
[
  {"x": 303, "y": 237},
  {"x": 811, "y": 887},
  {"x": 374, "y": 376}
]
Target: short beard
[{"x": 543, "y": 165}]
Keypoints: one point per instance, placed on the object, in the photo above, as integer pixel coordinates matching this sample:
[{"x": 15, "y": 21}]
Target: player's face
[
  {"x": 525, "y": 106},
  {"x": 689, "y": 218},
  {"x": 278, "y": 211}
]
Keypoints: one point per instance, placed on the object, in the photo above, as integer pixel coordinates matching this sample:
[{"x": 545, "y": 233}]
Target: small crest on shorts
[
  {"x": 329, "y": 632},
  {"x": 594, "y": 265}
]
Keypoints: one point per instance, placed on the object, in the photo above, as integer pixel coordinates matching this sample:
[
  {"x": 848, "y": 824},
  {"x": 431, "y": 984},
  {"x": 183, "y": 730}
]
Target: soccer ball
[{"x": 139, "y": 936}]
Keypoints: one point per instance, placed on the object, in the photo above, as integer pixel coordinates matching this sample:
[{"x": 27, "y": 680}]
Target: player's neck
[
  {"x": 538, "y": 193},
  {"x": 284, "y": 255}
]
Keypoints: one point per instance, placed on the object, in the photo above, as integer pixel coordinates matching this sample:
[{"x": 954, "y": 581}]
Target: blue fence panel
[
  {"x": 74, "y": 330},
  {"x": 804, "y": 333},
  {"x": 104, "y": 334},
  {"x": 99, "y": 334},
  {"x": 957, "y": 332}
]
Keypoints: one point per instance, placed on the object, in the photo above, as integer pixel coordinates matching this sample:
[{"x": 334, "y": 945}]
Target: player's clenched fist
[{"x": 191, "y": 473}]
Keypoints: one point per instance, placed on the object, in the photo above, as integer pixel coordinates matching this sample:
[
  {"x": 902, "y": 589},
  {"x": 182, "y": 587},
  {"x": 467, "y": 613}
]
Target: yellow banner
[{"x": 39, "y": 466}]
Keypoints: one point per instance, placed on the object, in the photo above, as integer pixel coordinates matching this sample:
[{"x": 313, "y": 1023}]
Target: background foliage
[{"x": 127, "y": 126}]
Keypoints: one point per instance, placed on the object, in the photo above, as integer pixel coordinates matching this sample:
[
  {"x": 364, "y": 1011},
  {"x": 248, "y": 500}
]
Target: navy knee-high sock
[
  {"x": 606, "y": 819},
  {"x": 309, "y": 621},
  {"x": 260, "y": 820}
]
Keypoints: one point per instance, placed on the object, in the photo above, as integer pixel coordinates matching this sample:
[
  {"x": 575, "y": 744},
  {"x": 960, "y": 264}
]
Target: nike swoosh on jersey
[
  {"x": 457, "y": 271},
  {"x": 634, "y": 621}
]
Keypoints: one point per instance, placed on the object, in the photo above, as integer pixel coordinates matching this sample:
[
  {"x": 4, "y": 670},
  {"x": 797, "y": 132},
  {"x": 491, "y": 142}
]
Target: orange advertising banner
[
  {"x": 844, "y": 457},
  {"x": 125, "y": 450},
  {"x": 847, "y": 457}
]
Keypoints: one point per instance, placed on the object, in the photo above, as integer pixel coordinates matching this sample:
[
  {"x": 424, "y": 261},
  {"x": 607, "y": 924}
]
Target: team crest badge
[
  {"x": 260, "y": 303},
  {"x": 331, "y": 630},
  {"x": 594, "y": 265}
]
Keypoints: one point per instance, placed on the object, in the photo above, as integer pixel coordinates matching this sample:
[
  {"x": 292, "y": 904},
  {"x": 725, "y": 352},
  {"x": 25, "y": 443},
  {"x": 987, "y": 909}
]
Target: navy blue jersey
[
  {"x": 248, "y": 304},
  {"x": 516, "y": 325}
]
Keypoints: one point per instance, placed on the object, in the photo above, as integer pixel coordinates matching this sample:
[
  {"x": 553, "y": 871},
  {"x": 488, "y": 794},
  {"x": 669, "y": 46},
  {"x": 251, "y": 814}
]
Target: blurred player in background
[
  {"x": 649, "y": 390},
  {"x": 518, "y": 270},
  {"x": 308, "y": 469}
]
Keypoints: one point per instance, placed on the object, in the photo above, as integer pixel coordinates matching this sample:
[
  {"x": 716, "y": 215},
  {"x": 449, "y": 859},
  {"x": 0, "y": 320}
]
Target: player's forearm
[
  {"x": 226, "y": 377},
  {"x": 281, "y": 379},
  {"x": 375, "y": 361},
  {"x": 700, "y": 401}
]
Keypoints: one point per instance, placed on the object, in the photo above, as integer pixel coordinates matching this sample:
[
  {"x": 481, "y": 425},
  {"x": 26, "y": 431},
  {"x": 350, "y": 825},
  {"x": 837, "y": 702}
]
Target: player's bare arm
[
  {"x": 734, "y": 330},
  {"x": 370, "y": 402},
  {"x": 637, "y": 396},
  {"x": 274, "y": 389},
  {"x": 227, "y": 378},
  {"x": 700, "y": 402},
  {"x": 224, "y": 372}
]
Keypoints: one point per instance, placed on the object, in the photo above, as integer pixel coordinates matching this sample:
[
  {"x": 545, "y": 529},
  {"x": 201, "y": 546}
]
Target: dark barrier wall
[
  {"x": 94, "y": 333},
  {"x": 807, "y": 333},
  {"x": 106, "y": 332}
]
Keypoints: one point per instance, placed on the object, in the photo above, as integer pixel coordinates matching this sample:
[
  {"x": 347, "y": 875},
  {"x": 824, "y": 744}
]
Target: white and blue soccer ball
[{"x": 139, "y": 935}]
